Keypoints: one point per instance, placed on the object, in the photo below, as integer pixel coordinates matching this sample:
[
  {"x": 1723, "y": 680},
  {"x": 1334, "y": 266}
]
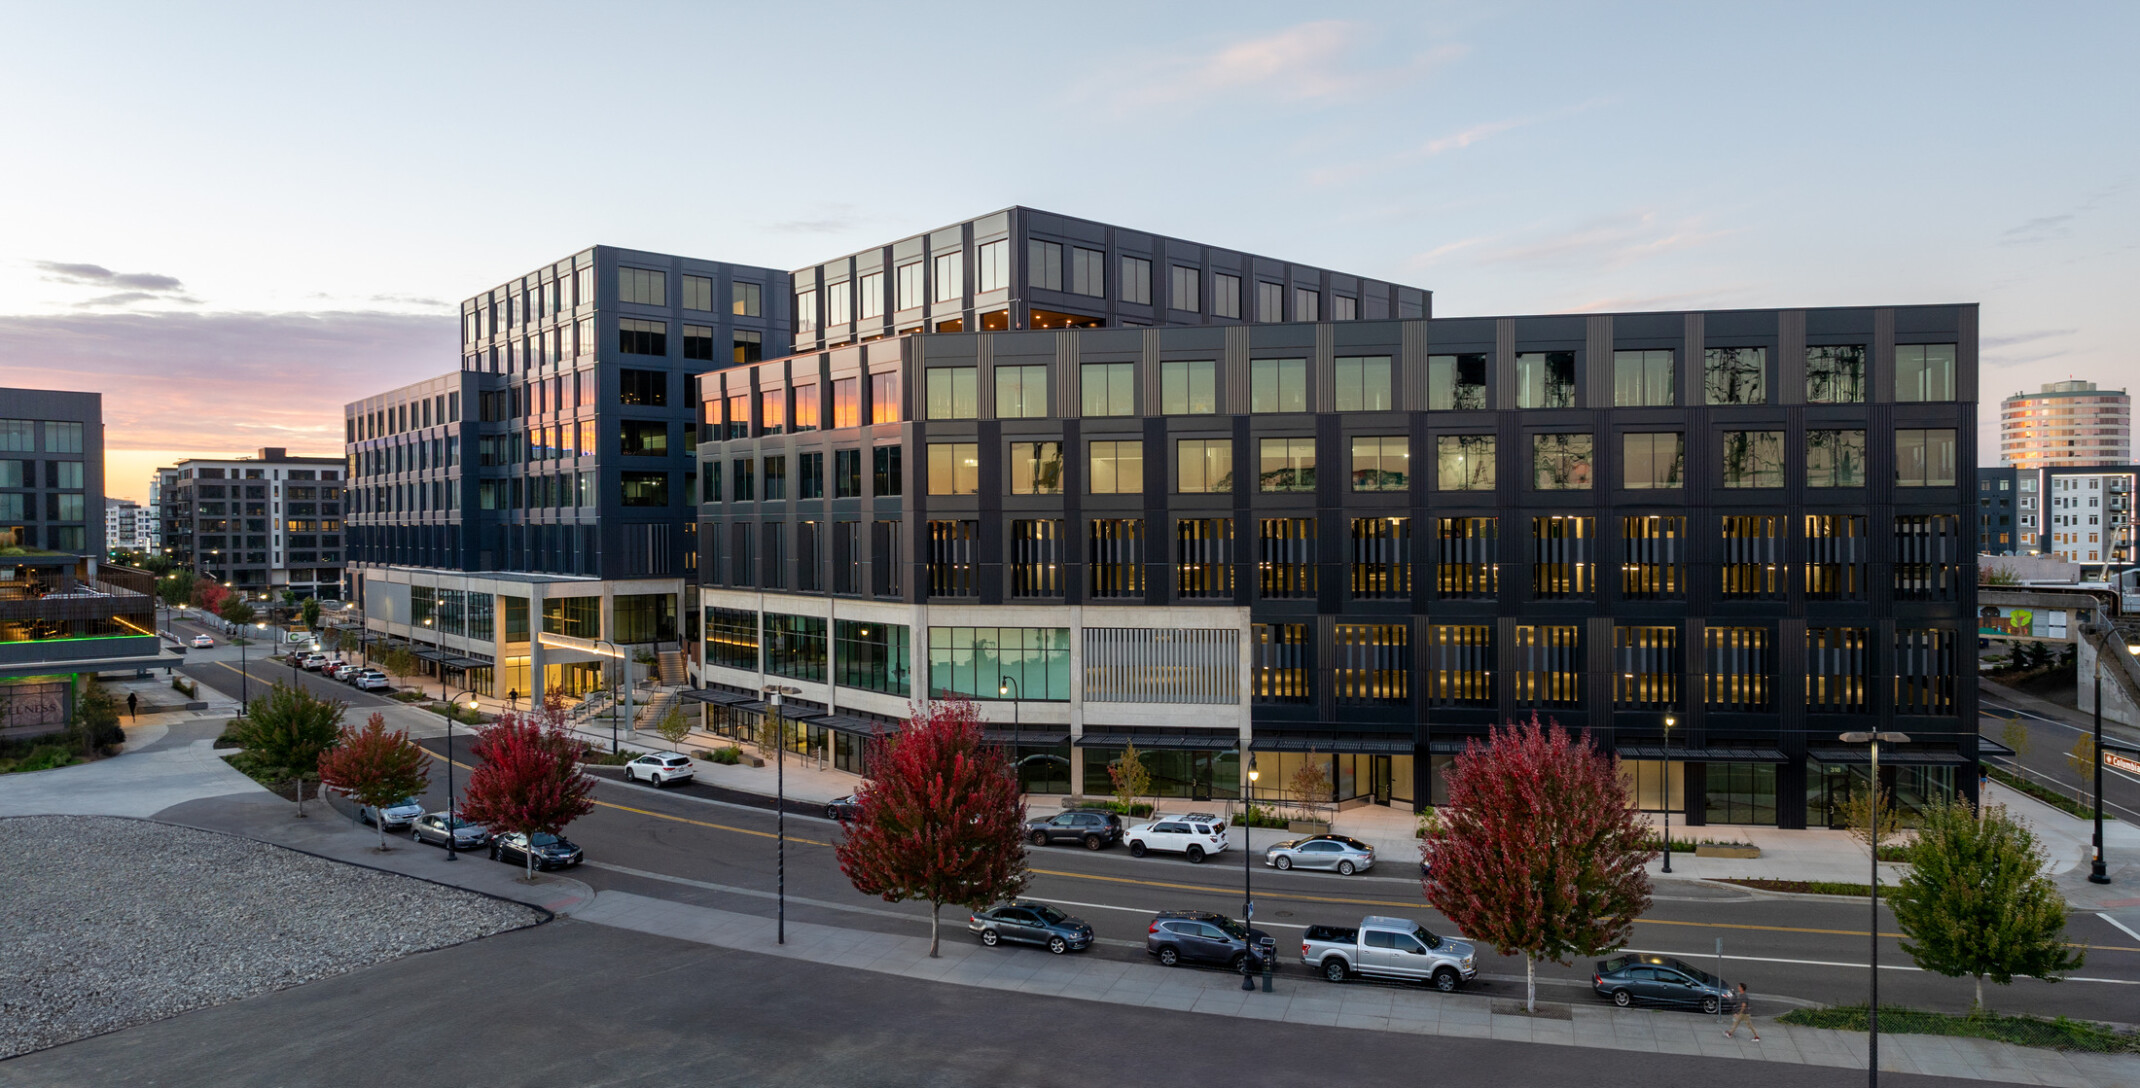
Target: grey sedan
[
  {"x": 1335, "y": 852},
  {"x": 431, "y": 828}
]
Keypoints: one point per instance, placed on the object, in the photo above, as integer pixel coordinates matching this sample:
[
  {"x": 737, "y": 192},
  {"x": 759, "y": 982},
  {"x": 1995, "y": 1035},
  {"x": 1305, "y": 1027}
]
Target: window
[
  {"x": 698, "y": 293},
  {"x": 1928, "y": 554},
  {"x": 1109, "y": 388},
  {"x": 1460, "y": 665},
  {"x": 635, "y": 337},
  {"x": 1653, "y": 461},
  {"x": 950, "y": 277},
  {"x": 646, "y": 488},
  {"x": 1344, "y": 308},
  {"x": 805, "y": 310},
  {"x": 1037, "y": 557},
  {"x": 68, "y": 474},
  {"x": 643, "y": 286},
  {"x": 776, "y": 478},
  {"x": 951, "y": 393},
  {"x": 870, "y": 286},
  {"x": 1286, "y": 464},
  {"x": 63, "y": 437},
  {"x": 1115, "y": 468},
  {"x": 643, "y": 388},
  {"x": 1307, "y": 304},
  {"x": 643, "y": 438},
  {"x": 972, "y": 661},
  {"x": 1545, "y": 379},
  {"x": 807, "y": 408},
  {"x": 795, "y": 646},
  {"x": 1835, "y": 458},
  {"x": 1924, "y": 458},
  {"x": 741, "y": 568},
  {"x": 1646, "y": 668},
  {"x": 1642, "y": 379},
  {"x": 1839, "y": 673},
  {"x": 1924, "y": 372},
  {"x": 1561, "y": 462},
  {"x": 18, "y": 435},
  {"x": 1464, "y": 462},
  {"x": 1188, "y": 388},
  {"x": 887, "y": 474},
  {"x": 1021, "y": 392},
  {"x": 1114, "y": 557},
  {"x": 772, "y": 411},
  {"x": 846, "y": 474},
  {"x": 839, "y": 305},
  {"x": 950, "y": 565},
  {"x": 1467, "y": 566},
  {"x": 1203, "y": 558},
  {"x": 1225, "y": 295},
  {"x": 1456, "y": 383},
  {"x": 1549, "y": 666},
  {"x": 1285, "y": 561},
  {"x": 1753, "y": 458},
  {"x": 1203, "y": 465},
  {"x": 1363, "y": 384},
  {"x": 846, "y": 402},
  {"x": 1185, "y": 289},
  {"x": 1044, "y": 265},
  {"x": 1562, "y": 566},
  {"x": 1088, "y": 272},
  {"x": 1925, "y": 670},
  {"x": 709, "y": 481},
  {"x": 1036, "y": 468},
  {"x": 954, "y": 468},
  {"x": 1835, "y": 375},
  {"x": 871, "y": 656},
  {"x": 1652, "y": 557},
  {"x": 1735, "y": 376},
  {"x": 1270, "y": 301},
  {"x": 811, "y": 478},
  {"x": 1283, "y": 665},
  {"x": 748, "y": 347},
  {"x": 744, "y": 475},
  {"x": 992, "y": 266},
  {"x": 1278, "y": 385},
  {"x": 575, "y": 617},
  {"x": 1750, "y": 558},
  {"x": 1137, "y": 280},
  {"x": 1381, "y": 463},
  {"x": 1739, "y": 668},
  {"x": 1381, "y": 559},
  {"x": 1372, "y": 664},
  {"x": 884, "y": 397},
  {"x": 698, "y": 342}
]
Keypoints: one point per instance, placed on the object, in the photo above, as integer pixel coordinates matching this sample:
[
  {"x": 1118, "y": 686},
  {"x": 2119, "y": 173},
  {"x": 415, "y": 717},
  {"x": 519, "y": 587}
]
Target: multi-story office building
[
  {"x": 2069, "y": 424},
  {"x": 125, "y": 525},
  {"x": 2000, "y": 530},
  {"x": 52, "y": 470},
  {"x": 261, "y": 524},
  {"x": 1716, "y": 541}
]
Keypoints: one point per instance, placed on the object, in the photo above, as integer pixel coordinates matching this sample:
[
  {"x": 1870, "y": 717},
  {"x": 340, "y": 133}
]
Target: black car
[
  {"x": 1031, "y": 923},
  {"x": 1661, "y": 980},
  {"x": 551, "y": 851},
  {"x": 1199, "y": 936},
  {"x": 1093, "y": 829}
]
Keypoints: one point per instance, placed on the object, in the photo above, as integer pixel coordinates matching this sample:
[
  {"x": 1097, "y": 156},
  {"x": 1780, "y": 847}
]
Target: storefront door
[{"x": 1379, "y": 775}]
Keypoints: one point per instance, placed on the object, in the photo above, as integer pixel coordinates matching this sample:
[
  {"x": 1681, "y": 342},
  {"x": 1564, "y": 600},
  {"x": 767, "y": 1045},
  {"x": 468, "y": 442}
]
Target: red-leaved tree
[
  {"x": 528, "y": 781},
  {"x": 210, "y": 594},
  {"x": 942, "y": 820},
  {"x": 375, "y": 767},
  {"x": 1538, "y": 852}
]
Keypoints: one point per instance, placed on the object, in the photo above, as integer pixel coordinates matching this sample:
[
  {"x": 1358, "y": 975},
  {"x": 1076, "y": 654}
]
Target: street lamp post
[
  {"x": 1669, "y": 722},
  {"x": 1248, "y": 875},
  {"x": 1004, "y": 685},
  {"x": 780, "y": 808},
  {"x": 624, "y": 666},
  {"x": 452, "y": 820},
  {"x": 2098, "y": 870},
  {"x": 1872, "y": 1007}
]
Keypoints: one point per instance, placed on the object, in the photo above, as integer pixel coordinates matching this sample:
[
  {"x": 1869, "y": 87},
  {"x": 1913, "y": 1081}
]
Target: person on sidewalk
[
  {"x": 1743, "y": 1015},
  {"x": 133, "y": 705}
]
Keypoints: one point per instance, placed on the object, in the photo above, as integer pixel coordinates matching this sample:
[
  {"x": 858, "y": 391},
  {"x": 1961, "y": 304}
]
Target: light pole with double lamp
[
  {"x": 1872, "y": 1007},
  {"x": 780, "y": 807},
  {"x": 1248, "y": 874},
  {"x": 1666, "y": 786},
  {"x": 452, "y": 819}
]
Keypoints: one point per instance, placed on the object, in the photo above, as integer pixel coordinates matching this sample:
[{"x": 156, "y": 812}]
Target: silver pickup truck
[{"x": 1388, "y": 948}]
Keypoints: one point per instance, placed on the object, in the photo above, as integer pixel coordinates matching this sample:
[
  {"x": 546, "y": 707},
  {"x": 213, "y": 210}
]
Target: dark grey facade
[
  {"x": 1998, "y": 521},
  {"x": 52, "y": 470},
  {"x": 1716, "y": 540}
]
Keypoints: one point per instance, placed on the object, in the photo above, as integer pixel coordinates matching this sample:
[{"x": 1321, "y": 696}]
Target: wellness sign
[{"x": 2000, "y": 621}]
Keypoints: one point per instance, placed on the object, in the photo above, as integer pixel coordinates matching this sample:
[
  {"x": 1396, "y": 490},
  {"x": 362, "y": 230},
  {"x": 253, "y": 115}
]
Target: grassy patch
[
  {"x": 593, "y": 755},
  {"x": 2044, "y": 793},
  {"x": 406, "y": 696},
  {"x": 2056, "y": 1034},
  {"x": 1684, "y": 845},
  {"x": 43, "y": 757},
  {"x": 1804, "y": 887}
]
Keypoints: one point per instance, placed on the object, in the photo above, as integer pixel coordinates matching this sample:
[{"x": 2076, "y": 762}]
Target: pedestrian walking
[
  {"x": 512, "y": 699},
  {"x": 1743, "y": 1015},
  {"x": 133, "y": 705}
]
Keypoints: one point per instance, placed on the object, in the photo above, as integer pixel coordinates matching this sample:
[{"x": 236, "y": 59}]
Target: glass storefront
[
  {"x": 1654, "y": 784},
  {"x": 1829, "y": 787},
  {"x": 1740, "y": 793},
  {"x": 1198, "y": 775}
]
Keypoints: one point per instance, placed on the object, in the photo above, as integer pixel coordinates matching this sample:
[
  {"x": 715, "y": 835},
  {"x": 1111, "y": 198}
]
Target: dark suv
[
  {"x": 1199, "y": 936},
  {"x": 1094, "y": 829}
]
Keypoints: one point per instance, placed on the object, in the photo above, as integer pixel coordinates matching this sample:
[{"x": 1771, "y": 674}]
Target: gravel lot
[{"x": 109, "y": 922}]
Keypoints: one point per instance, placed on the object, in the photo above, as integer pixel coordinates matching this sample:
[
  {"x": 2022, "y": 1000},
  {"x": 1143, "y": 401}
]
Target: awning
[
  {"x": 1709, "y": 753},
  {"x": 1900, "y": 757},
  {"x": 1355, "y": 744},
  {"x": 717, "y": 698},
  {"x": 1450, "y": 746},
  {"x": 1041, "y": 737},
  {"x": 1202, "y": 742},
  {"x": 429, "y": 654},
  {"x": 1989, "y": 747},
  {"x": 860, "y": 727}
]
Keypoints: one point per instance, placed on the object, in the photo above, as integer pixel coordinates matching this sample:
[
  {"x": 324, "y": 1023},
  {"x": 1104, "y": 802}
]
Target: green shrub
[
  {"x": 180, "y": 685},
  {"x": 2056, "y": 1034},
  {"x": 729, "y": 756},
  {"x": 44, "y": 757}
]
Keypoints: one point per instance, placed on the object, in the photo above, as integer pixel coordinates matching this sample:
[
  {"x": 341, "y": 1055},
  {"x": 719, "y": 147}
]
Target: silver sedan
[
  {"x": 1336, "y": 852},
  {"x": 431, "y": 828}
]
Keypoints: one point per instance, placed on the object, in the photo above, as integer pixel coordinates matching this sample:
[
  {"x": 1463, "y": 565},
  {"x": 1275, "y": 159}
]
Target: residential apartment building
[
  {"x": 2087, "y": 514},
  {"x": 126, "y": 525},
  {"x": 1999, "y": 525},
  {"x": 2069, "y": 424},
  {"x": 262, "y": 525},
  {"x": 1715, "y": 540},
  {"x": 152, "y": 515}
]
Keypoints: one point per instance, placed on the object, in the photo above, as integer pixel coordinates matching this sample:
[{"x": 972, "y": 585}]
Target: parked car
[
  {"x": 1197, "y": 936},
  {"x": 374, "y": 681},
  {"x": 432, "y": 828},
  {"x": 551, "y": 851},
  {"x": 335, "y": 669},
  {"x": 202, "y": 642},
  {"x": 1191, "y": 839},
  {"x": 1216, "y": 821},
  {"x": 1093, "y": 829},
  {"x": 399, "y": 814},
  {"x": 844, "y": 808},
  {"x": 312, "y": 662},
  {"x": 1343, "y": 855},
  {"x": 1031, "y": 923},
  {"x": 659, "y": 769},
  {"x": 1382, "y": 947},
  {"x": 330, "y": 663},
  {"x": 1661, "y": 980},
  {"x": 349, "y": 676}
]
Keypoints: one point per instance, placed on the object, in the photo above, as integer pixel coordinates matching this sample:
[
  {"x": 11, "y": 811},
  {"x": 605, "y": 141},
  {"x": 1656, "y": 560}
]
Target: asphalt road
[
  {"x": 577, "y": 1004},
  {"x": 697, "y": 844},
  {"x": 2044, "y": 757},
  {"x": 222, "y": 665}
]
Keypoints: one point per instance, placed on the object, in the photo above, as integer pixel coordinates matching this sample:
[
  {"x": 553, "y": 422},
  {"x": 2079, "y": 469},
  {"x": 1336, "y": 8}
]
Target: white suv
[
  {"x": 659, "y": 769},
  {"x": 1189, "y": 836}
]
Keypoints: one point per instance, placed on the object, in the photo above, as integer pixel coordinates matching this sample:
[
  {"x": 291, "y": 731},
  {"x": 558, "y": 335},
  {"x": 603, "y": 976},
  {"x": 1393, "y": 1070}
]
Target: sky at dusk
[{"x": 231, "y": 220}]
